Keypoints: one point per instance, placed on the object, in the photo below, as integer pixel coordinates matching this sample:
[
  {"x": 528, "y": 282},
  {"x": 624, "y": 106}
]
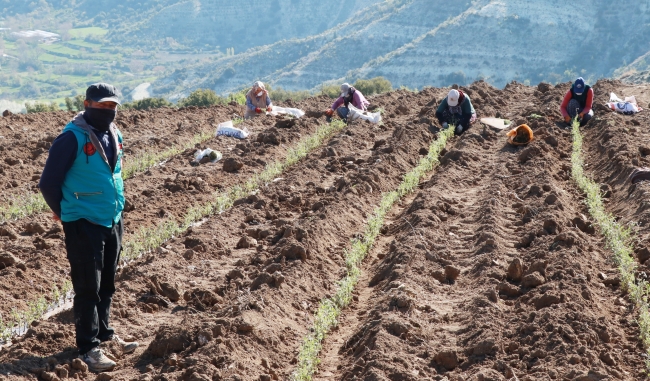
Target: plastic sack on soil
[
  {"x": 285, "y": 110},
  {"x": 208, "y": 154},
  {"x": 520, "y": 135},
  {"x": 227, "y": 129},
  {"x": 628, "y": 106},
  {"x": 355, "y": 114}
]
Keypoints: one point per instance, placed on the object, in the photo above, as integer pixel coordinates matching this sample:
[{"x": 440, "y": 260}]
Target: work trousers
[
  {"x": 93, "y": 253},
  {"x": 574, "y": 108}
]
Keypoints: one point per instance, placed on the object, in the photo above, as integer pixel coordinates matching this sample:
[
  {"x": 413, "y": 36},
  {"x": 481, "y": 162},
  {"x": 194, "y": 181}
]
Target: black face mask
[{"x": 100, "y": 118}]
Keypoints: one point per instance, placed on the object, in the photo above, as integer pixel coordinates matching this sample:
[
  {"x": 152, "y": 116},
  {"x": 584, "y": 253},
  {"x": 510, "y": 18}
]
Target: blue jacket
[{"x": 92, "y": 187}]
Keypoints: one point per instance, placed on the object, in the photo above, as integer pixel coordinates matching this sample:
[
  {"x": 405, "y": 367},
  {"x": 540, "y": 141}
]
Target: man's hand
[
  {"x": 269, "y": 109},
  {"x": 55, "y": 217},
  {"x": 258, "y": 110},
  {"x": 567, "y": 119},
  {"x": 329, "y": 112}
]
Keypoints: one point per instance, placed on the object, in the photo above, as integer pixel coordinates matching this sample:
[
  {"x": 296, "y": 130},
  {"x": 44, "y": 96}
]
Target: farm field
[{"x": 490, "y": 267}]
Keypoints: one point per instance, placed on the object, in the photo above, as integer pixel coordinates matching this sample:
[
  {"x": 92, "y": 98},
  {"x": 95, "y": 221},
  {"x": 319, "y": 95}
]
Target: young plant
[
  {"x": 618, "y": 238},
  {"x": 329, "y": 310}
]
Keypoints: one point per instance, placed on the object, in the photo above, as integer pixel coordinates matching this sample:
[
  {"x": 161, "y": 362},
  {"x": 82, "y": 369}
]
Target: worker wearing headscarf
[
  {"x": 348, "y": 95},
  {"x": 257, "y": 101}
]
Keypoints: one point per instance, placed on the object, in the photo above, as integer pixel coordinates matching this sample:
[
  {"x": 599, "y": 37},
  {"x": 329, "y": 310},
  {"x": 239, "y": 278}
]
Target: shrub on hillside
[
  {"x": 377, "y": 85},
  {"x": 147, "y": 103},
  {"x": 332, "y": 91},
  {"x": 373, "y": 86},
  {"x": 40, "y": 107},
  {"x": 201, "y": 98},
  {"x": 281, "y": 94},
  {"x": 75, "y": 104}
]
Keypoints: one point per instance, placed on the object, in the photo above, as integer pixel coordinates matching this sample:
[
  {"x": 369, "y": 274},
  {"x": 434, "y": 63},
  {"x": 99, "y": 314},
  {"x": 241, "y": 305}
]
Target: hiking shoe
[
  {"x": 97, "y": 361},
  {"x": 126, "y": 346}
]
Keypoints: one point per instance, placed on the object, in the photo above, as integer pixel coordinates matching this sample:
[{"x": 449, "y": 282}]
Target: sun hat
[
  {"x": 344, "y": 89},
  {"x": 452, "y": 98}
]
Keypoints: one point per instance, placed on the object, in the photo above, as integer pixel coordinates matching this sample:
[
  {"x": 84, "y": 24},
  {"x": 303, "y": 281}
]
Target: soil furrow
[
  {"x": 614, "y": 146},
  {"x": 254, "y": 302},
  {"x": 163, "y": 192},
  {"x": 505, "y": 285}
]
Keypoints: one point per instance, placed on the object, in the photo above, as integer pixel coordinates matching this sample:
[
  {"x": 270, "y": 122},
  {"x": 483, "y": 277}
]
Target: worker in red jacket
[{"x": 578, "y": 101}]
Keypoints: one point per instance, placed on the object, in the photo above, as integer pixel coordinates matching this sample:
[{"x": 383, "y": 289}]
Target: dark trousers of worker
[
  {"x": 455, "y": 119},
  {"x": 93, "y": 253},
  {"x": 343, "y": 112},
  {"x": 574, "y": 108}
]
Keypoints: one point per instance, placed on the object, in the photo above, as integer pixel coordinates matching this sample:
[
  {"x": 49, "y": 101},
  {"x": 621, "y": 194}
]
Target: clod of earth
[
  {"x": 246, "y": 242},
  {"x": 515, "y": 270},
  {"x": 169, "y": 339},
  {"x": 532, "y": 280},
  {"x": 232, "y": 165},
  {"x": 8, "y": 260}
]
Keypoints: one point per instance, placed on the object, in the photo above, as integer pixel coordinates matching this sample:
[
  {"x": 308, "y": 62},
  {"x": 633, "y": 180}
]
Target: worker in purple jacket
[{"x": 348, "y": 95}]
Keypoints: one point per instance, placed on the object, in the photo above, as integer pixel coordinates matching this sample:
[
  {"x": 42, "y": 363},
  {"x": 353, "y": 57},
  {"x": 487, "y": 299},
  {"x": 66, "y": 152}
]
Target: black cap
[{"x": 102, "y": 92}]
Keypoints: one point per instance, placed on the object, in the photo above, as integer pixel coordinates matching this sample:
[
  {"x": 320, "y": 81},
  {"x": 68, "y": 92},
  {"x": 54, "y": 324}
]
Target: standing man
[
  {"x": 257, "y": 101},
  {"x": 348, "y": 95},
  {"x": 82, "y": 184},
  {"x": 456, "y": 109},
  {"x": 578, "y": 101}
]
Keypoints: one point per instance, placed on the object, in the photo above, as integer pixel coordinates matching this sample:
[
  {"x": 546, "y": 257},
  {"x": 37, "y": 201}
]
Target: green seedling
[
  {"x": 619, "y": 239},
  {"x": 329, "y": 310}
]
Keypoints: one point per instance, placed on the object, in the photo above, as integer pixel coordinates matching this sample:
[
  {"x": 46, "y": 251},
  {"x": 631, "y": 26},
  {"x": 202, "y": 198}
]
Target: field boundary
[
  {"x": 329, "y": 309},
  {"x": 619, "y": 239}
]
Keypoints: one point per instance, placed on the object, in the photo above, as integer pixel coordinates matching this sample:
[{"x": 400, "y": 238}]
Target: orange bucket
[{"x": 520, "y": 135}]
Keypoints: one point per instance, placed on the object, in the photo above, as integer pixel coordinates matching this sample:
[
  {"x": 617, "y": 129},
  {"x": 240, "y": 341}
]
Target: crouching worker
[
  {"x": 348, "y": 95},
  {"x": 578, "y": 101},
  {"x": 257, "y": 101},
  {"x": 456, "y": 109},
  {"x": 82, "y": 184}
]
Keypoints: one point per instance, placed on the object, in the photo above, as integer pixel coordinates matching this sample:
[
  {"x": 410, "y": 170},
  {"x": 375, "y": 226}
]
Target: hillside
[
  {"x": 416, "y": 43},
  {"x": 180, "y": 45}
]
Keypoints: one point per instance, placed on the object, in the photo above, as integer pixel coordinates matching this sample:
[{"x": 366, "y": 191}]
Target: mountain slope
[{"x": 417, "y": 43}]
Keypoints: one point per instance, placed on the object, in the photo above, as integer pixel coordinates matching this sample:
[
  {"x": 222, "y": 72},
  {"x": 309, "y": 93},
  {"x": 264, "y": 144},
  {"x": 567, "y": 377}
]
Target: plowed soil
[{"x": 491, "y": 271}]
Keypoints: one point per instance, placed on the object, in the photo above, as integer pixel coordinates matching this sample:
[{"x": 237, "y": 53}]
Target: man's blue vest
[{"x": 91, "y": 190}]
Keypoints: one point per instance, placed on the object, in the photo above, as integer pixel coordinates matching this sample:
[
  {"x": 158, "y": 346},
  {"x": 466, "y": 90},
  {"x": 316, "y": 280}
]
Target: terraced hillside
[
  {"x": 486, "y": 263},
  {"x": 418, "y": 43}
]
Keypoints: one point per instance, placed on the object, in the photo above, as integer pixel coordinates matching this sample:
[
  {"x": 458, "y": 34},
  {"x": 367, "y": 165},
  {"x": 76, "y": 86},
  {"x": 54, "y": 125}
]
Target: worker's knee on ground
[{"x": 342, "y": 112}]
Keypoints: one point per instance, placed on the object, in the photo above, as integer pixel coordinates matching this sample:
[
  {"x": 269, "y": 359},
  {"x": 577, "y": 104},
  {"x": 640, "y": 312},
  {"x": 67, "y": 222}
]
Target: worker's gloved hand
[
  {"x": 459, "y": 129},
  {"x": 567, "y": 119},
  {"x": 329, "y": 112},
  {"x": 582, "y": 115},
  {"x": 258, "y": 110},
  {"x": 269, "y": 109},
  {"x": 445, "y": 125},
  {"x": 55, "y": 217}
]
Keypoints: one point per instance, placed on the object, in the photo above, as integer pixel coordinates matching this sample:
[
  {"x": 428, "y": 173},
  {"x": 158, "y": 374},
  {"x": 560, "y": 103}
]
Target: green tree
[
  {"x": 147, "y": 103},
  {"x": 78, "y": 102},
  {"x": 69, "y": 104},
  {"x": 41, "y": 107},
  {"x": 201, "y": 97},
  {"x": 377, "y": 85}
]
